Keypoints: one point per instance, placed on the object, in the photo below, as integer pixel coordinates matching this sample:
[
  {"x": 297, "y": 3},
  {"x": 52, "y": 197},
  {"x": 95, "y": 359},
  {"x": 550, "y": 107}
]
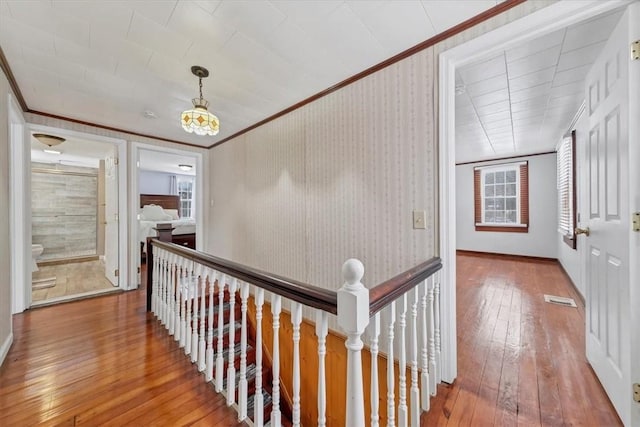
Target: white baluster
[
  {"x": 177, "y": 303},
  {"x": 432, "y": 345},
  {"x": 202, "y": 345},
  {"x": 154, "y": 283},
  {"x": 374, "y": 333},
  {"x": 196, "y": 278},
  {"x": 165, "y": 290},
  {"x": 391, "y": 398},
  {"x": 231, "y": 368},
  {"x": 436, "y": 329},
  {"x": 258, "y": 400},
  {"x": 243, "y": 386},
  {"x": 161, "y": 292},
  {"x": 190, "y": 291},
  {"x": 424, "y": 380},
  {"x": 184, "y": 296},
  {"x": 415, "y": 391},
  {"x": 171, "y": 305},
  {"x": 403, "y": 411},
  {"x": 296, "y": 320},
  {"x": 353, "y": 317},
  {"x": 210, "y": 352},
  {"x": 220, "y": 358},
  {"x": 276, "y": 308},
  {"x": 322, "y": 328}
]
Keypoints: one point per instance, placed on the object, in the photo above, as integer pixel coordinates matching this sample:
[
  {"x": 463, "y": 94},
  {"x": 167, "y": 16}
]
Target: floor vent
[{"x": 567, "y": 302}]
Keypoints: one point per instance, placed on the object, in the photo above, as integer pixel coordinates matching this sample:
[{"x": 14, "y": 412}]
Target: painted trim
[
  {"x": 504, "y": 256},
  {"x": 6, "y": 69},
  {"x": 20, "y": 209},
  {"x": 553, "y": 17},
  {"x": 6, "y": 345}
]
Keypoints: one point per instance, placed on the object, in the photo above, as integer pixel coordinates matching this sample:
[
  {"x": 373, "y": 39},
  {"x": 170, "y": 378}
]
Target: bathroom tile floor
[{"x": 72, "y": 280}]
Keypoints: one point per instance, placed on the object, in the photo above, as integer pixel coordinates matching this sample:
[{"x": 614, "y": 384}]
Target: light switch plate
[{"x": 419, "y": 220}]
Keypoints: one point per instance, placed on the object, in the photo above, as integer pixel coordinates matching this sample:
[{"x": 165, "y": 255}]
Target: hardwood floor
[
  {"x": 521, "y": 361},
  {"x": 102, "y": 361}
]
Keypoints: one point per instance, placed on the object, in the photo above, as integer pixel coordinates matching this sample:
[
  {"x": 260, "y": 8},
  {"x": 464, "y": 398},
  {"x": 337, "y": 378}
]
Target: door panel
[{"x": 607, "y": 274}]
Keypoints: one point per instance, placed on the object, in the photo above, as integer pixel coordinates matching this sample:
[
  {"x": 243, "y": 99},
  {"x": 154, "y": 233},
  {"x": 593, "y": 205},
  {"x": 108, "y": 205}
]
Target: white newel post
[{"x": 353, "y": 318}]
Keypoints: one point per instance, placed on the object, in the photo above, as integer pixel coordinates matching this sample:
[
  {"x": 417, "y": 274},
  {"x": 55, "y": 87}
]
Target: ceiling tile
[
  {"x": 490, "y": 109},
  {"x": 309, "y": 12},
  {"x": 491, "y": 98},
  {"x": 113, "y": 17},
  {"x": 569, "y": 89},
  {"x": 157, "y": 11},
  {"x": 18, "y": 34},
  {"x": 382, "y": 20},
  {"x": 86, "y": 57},
  {"x": 532, "y": 92},
  {"x": 539, "y": 102},
  {"x": 536, "y": 62},
  {"x": 446, "y": 14},
  {"x": 208, "y": 31},
  {"x": 578, "y": 57},
  {"x": 535, "y": 46},
  {"x": 489, "y": 85},
  {"x": 532, "y": 79},
  {"x": 121, "y": 49},
  {"x": 495, "y": 117},
  {"x": 255, "y": 19},
  {"x": 571, "y": 76},
  {"x": 156, "y": 37},
  {"x": 492, "y": 67},
  {"x": 590, "y": 32},
  {"x": 500, "y": 124}
]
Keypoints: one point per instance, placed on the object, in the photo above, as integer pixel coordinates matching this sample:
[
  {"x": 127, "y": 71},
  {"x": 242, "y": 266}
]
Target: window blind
[{"x": 565, "y": 186}]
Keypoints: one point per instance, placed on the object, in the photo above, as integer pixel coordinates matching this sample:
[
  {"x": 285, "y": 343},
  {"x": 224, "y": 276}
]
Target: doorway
[
  {"x": 167, "y": 188},
  {"x": 64, "y": 218},
  {"x": 540, "y": 23}
]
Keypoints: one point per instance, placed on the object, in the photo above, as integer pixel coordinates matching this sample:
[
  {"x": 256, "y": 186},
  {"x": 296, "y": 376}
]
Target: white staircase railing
[{"x": 403, "y": 311}]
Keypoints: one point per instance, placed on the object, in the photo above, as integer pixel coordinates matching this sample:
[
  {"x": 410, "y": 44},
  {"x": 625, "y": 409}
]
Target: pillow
[
  {"x": 154, "y": 213},
  {"x": 173, "y": 213}
]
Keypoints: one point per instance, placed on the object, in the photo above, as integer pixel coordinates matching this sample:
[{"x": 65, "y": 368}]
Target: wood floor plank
[
  {"x": 521, "y": 361},
  {"x": 100, "y": 361}
]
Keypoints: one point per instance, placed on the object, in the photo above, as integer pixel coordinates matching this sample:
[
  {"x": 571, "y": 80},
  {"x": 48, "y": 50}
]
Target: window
[
  {"x": 185, "y": 191},
  {"x": 502, "y": 197},
  {"x": 566, "y": 189}
]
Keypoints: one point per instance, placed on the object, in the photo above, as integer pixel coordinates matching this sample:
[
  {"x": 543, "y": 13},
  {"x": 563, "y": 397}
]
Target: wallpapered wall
[
  {"x": 336, "y": 179},
  {"x": 339, "y": 177}
]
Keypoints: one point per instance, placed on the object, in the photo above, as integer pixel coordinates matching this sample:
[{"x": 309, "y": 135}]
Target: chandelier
[{"x": 198, "y": 119}]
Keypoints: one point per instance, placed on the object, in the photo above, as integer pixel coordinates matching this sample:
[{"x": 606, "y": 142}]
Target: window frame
[
  {"x": 568, "y": 233},
  {"x": 190, "y": 200},
  {"x": 522, "y": 197}
]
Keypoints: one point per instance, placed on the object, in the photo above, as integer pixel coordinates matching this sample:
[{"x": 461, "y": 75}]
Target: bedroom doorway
[
  {"x": 76, "y": 203},
  {"x": 168, "y": 194}
]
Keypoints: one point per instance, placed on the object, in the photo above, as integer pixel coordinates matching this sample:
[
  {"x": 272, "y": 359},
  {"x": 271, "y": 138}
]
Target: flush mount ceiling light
[
  {"x": 198, "y": 120},
  {"x": 50, "y": 151},
  {"x": 185, "y": 167},
  {"x": 49, "y": 140}
]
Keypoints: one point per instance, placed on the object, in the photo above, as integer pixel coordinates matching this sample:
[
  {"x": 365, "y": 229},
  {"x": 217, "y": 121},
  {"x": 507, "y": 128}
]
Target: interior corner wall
[
  {"x": 339, "y": 177},
  {"x": 5, "y": 241},
  {"x": 540, "y": 241},
  {"x": 568, "y": 257}
]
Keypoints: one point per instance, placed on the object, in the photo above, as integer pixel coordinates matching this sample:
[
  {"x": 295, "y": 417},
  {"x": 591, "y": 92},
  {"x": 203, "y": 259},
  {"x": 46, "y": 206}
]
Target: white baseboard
[{"x": 6, "y": 345}]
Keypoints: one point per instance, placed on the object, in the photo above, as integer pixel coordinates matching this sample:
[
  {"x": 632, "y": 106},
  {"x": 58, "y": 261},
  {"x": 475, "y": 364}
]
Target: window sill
[
  {"x": 570, "y": 240},
  {"x": 507, "y": 228}
]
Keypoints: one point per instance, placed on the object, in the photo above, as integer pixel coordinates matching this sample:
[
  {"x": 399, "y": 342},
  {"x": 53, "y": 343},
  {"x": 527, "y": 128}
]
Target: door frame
[
  {"x": 548, "y": 19},
  {"x": 20, "y": 211},
  {"x": 134, "y": 245},
  {"x": 123, "y": 226}
]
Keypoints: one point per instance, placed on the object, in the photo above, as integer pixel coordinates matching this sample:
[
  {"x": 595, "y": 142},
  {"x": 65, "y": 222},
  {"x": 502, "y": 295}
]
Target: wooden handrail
[
  {"x": 312, "y": 296},
  {"x": 309, "y": 295},
  {"x": 388, "y": 291}
]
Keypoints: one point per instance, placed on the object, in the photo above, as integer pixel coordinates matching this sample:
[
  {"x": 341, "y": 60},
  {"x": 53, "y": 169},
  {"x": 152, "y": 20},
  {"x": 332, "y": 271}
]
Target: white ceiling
[
  {"x": 523, "y": 100},
  {"x": 166, "y": 162},
  {"x": 107, "y": 62},
  {"x": 73, "y": 152}
]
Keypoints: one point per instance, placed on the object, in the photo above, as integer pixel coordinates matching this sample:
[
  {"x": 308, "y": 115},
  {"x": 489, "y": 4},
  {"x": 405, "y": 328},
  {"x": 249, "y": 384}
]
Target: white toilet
[{"x": 36, "y": 251}]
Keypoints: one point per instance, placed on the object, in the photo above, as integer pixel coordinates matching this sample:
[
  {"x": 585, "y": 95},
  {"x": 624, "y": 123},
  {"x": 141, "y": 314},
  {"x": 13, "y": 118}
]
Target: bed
[{"x": 164, "y": 209}]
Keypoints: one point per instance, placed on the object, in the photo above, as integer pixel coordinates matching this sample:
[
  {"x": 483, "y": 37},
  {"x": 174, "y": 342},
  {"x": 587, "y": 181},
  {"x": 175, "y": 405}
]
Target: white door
[
  {"x": 111, "y": 220},
  {"x": 607, "y": 214}
]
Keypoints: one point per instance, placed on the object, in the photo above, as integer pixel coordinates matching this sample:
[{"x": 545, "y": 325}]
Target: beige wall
[
  {"x": 5, "y": 250},
  {"x": 339, "y": 177}
]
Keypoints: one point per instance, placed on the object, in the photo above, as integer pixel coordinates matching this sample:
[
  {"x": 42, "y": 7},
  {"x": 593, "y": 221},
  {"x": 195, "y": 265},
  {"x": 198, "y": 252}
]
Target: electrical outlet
[{"x": 420, "y": 220}]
